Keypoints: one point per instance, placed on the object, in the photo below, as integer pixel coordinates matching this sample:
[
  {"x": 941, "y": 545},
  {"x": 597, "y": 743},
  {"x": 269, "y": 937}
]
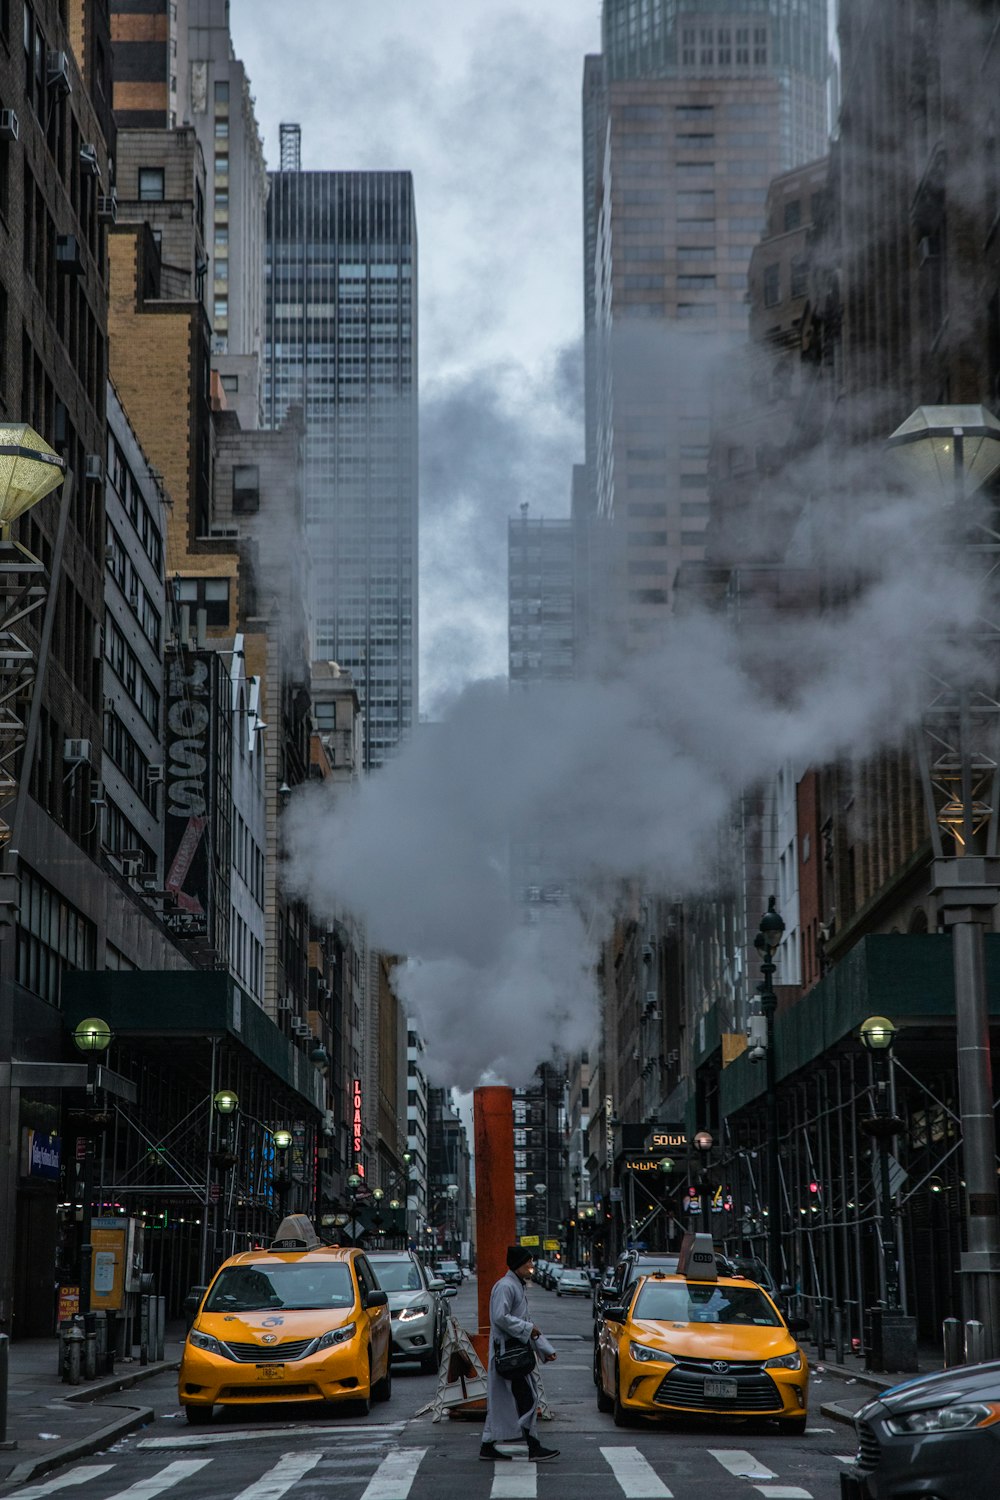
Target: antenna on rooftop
[{"x": 291, "y": 147}]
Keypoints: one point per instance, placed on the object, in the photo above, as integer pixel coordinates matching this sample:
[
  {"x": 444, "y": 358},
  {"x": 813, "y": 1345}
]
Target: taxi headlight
[
  {"x": 205, "y": 1341},
  {"x": 643, "y": 1354},
  {"x": 409, "y": 1313},
  {"x": 944, "y": 1418},
  {"x": 791, "y": 1361},
  {"x": 337, "y": 1336}
]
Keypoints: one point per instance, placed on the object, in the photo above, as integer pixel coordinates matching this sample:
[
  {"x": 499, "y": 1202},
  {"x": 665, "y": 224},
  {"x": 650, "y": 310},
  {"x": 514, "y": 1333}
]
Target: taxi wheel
[
  {"x": 382, "y": 1389},
  {"x": 791, "y": 1427},
  {"x": 604, "y": 1402},
  {"x": 198, "y": 1416},
  {"x": 597, "y": 1367},
  {"x": 620, "y": 1416}
]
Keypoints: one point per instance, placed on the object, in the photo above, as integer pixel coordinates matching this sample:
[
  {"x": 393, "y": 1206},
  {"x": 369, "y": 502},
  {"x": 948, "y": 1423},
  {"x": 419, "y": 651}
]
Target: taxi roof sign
[
  {"x": 697, "y": 1258},
  {"x": 296, "y": 1232}
]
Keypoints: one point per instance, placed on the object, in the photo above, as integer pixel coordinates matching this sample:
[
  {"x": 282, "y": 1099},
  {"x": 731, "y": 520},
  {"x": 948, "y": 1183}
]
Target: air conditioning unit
[
  {"x": 75, "y": 752},
  {"x": 285, "y": 1002},
  {"x": 107, "y": 207},
  {"x": 133, "y": 598},
  {"x": 93, "y": 468},
  {"x": 57, "y": 74},
  {"x": 9, "y": 126},
  {"x": 97, "y": 797},
  {"x": 88, "y": 159},
  {"x": 109, "y": 552},
  {"x": 154, "y": 775},
  {"x": 925, "y": 250},
  {"x": 224, "y": 531},
  {"x": 647, "y": 953},
  {"x": 131, "y": 865}
]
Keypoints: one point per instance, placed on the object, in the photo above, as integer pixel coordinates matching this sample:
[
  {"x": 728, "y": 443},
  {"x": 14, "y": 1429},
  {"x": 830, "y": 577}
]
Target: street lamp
[
  {"x": 767, "y": 942},
  {"x": 957, "y": 450},
  {"x": 703, "y": 1144},
  {"x": 93, "y": 1038},
  {"x": 282, "y": 1140},
  {"x": 877, "y": 1036}
]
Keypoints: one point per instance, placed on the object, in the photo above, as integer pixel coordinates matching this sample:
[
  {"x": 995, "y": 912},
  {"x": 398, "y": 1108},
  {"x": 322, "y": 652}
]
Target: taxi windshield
[
  {"x": 254, "y": 1288},
  {"x": 397, "y": 1275},
  {"x": 684, "y": 1302}
]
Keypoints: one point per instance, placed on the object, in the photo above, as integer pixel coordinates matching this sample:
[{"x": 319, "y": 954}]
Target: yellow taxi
[
  {"x": 703, "y": 1344},
  {"x": 300, "y": 1321}
]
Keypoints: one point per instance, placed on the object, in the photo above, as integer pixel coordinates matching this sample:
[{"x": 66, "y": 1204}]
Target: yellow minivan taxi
[
  {"x": 300, "y": 1321},
  {"x": 700, "y": 1344}
]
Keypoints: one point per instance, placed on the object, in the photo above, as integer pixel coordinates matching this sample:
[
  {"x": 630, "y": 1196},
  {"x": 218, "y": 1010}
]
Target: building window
[
  {"x": 772, "y": 285},
  {"x": 230, "y": 382},
  {"x": 222, "y": 130},
  {"x": 221, "y": 309},
  {"x": 222, "y": 91},
  {"x": 800, "y": 276},
  {"x": 246, "y": 489},
  {"x": 151, "y": 185},
  {"x": 222, "y": 166},
  {"x": 209, "y": 594},
  {"x": 793, "y": 213}
]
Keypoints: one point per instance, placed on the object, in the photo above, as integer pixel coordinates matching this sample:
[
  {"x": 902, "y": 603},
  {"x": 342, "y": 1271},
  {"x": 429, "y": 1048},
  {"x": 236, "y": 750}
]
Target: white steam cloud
[{"x": 624, "y": 776}]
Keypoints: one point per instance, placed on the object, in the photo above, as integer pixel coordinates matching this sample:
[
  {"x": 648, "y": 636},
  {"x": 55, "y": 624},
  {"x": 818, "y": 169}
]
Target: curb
[
  {"x": 137, "y": 1416},
  {"x": 108, "y": 1385},
  {"x": 838, "y": 1412}
]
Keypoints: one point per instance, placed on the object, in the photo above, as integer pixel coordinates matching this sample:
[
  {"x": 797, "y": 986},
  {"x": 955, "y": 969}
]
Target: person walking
[{"x": 512, "y": 1400}]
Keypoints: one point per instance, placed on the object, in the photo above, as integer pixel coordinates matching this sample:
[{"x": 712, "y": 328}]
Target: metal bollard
[
  {"x": 74, "y": 1354},
  {"x": 819, "y": 1323},
  {"x": 161, "y": 1327},
  {"x": 838, "y": 1335},
  {"x": 975, "y": 1342},
  {"x": 144, "y": 1330},
  {"x": 951, "y": 1335},
  {"x": 100, "y": 1343}
]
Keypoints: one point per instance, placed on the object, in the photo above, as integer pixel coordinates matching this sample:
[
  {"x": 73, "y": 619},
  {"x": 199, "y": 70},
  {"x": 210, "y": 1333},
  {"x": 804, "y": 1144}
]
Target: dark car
[
  {"x": 937, "y": 1436},
  {"x": 450, "y": 1272}
]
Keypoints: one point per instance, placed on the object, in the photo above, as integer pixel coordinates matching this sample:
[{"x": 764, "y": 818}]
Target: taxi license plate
[
  {"x": 726, "y": 1389},
  {"x": 272, "y": 1372}
]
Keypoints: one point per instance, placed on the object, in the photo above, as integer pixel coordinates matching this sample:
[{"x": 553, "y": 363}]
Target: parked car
[
  {"x": 573, "y": 1283},
  {"x": 682, "y": 1345},
  {"x": 936, "y": 1435},
  {"x": 417, "y": 1306},
  {"x": 298, "y": 1322},
  {"x": 450, "y": 1272}
]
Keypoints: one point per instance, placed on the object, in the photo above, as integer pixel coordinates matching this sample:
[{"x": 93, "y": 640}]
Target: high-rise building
[
  {"x": 341, "y": 340},
  {"x": 702, "y": 107},
  {"x": 540, "y": 590}
]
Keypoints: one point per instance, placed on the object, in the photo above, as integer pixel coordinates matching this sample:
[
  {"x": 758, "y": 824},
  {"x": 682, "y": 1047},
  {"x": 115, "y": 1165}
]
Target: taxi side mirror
[
  {"x": 797, "y": 1325},
  {"x": 374, "y": 1299},
  {"x": 615, "y": 1313}
]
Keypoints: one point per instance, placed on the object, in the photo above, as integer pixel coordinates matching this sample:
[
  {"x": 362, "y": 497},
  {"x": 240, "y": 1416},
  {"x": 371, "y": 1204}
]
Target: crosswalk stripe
[
  {"x": 782, "y": 1492},
  {"x": 164, "y": 1479},
  {"x": 74, "y": 1476},
  {"x": 277, "y": 1481},
  {"x": 637, "y": 1479},
  {"x": 741, "y": 1464},
  {"x": 394, "y": 1475},
  {"x": 255, "y": 1435},
  {"x": 844, "y": 1458},
  {"x": 517, "y": 1480}
]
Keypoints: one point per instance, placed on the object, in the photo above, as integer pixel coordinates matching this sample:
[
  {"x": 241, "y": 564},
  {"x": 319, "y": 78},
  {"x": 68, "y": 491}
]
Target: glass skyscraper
[{"x": 341, "y": 342}]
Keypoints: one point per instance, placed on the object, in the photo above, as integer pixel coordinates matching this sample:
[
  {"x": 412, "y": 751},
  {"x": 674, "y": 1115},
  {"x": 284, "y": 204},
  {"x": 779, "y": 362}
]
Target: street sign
[
  {"x": 529, "y": 1240},
  {"x": 551, "y": 1244}
]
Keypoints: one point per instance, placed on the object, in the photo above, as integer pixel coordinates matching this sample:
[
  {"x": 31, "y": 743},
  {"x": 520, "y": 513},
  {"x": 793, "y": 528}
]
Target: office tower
[
  {"x": 341, "y": 340},
  {"x": 701, "y": 110},
  {"x": 540, "y": 589}
]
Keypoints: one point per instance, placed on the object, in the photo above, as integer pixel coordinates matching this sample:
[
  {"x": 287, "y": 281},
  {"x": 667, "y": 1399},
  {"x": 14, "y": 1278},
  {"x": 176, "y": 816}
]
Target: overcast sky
[{"x": 482, "y": 104}]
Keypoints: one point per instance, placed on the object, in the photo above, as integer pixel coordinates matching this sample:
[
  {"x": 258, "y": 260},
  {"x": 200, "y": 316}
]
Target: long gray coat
[{"x": 509, "y": 1318}]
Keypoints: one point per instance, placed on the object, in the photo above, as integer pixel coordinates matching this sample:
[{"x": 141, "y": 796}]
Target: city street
[{"x": 394, "y": 1455}]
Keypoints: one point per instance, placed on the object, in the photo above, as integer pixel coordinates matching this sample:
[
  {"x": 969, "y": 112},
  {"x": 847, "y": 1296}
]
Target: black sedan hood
[{"x": 963, "y": 1383}]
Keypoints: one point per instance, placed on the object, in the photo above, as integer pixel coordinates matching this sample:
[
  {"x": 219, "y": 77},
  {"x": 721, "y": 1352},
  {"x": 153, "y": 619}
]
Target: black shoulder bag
[{"x": 515, "y": 1359}]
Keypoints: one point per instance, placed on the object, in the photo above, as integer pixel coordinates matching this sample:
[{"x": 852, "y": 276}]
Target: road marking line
[
  {"x": 638, "y": 1480},
  {"x": 819, "y": 1429},
  {"x": 741, "y": 1464},
  {"x": 75, "y": 1476},
  {"x": 394, "y": 1475},
  {"x": 782, "y": 1492},
  {"x": 165, "y": 1479},
  {"x": 517, "y": 1480},
  {"x": 277, "y": 1481},
  {"x": 844, "y": 1458},
  {"x": 274, "y": 1434}
]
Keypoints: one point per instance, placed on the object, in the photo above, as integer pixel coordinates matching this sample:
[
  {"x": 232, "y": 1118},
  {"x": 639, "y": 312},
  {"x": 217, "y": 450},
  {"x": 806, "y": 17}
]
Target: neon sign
[{"x": 356, "y": 1130}]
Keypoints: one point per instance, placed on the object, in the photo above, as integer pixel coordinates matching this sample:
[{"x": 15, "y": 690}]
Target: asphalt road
[{"x": 395, "y": 1455}]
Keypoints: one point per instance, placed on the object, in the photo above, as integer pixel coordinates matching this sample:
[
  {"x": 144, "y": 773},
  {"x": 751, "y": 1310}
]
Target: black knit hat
[{"x": 517, "y": 1255}]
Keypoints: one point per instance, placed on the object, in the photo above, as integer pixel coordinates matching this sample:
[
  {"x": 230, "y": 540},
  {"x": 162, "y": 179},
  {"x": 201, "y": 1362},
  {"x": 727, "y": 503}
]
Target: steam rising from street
[{"x": 625, "y": 775}]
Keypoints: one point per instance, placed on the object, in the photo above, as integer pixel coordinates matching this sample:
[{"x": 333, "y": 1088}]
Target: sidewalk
[
  {"x": 868, "y": 1381},
  {"x": 53, "y": 1423}
]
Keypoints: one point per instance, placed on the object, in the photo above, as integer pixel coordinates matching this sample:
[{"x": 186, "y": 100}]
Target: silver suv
[{"x": 416, "y": 1305}]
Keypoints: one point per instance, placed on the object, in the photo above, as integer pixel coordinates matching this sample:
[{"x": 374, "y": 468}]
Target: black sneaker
[
  {"x": 489, "y": 1452},
  {"x": 537, "y": 1454}
]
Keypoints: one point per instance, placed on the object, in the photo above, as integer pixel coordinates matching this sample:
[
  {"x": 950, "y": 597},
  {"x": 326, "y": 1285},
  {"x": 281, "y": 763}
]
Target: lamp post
[
  {"x": 703, "y": 1142},
  {"x": 767, "y": 941},
  {"x": 877, "y": 1036},
  {"x": 281, "y": 1140},
  {"x": 452, "y": 1192},
  {"x": 955, "y": 450},
  {"x": 225, "y": 1103},
  {"x": 93, "y": 1037}
]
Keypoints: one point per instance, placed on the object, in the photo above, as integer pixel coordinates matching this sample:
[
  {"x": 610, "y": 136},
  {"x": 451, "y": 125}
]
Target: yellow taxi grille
[
  {"x": 699, "y": 1389},
  {"x": 268, "y": 1392},
  {"x": 268, "y": 1354}
]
